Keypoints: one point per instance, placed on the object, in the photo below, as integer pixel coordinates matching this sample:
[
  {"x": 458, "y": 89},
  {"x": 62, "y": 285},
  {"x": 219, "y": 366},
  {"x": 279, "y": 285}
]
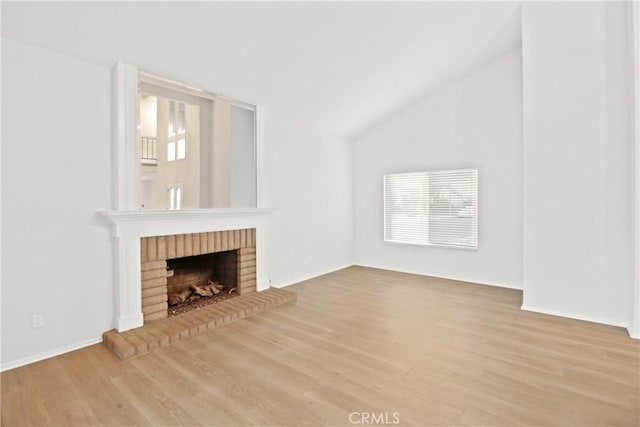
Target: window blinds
[{"x": 432, "y": 208}]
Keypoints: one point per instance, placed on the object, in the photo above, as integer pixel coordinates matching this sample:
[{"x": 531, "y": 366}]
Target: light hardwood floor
[{"x": 422, "y": 350}]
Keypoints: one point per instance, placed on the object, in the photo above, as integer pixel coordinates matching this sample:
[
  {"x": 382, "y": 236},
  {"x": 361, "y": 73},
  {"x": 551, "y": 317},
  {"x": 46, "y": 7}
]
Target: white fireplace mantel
[{"x": 129, "y": 226}]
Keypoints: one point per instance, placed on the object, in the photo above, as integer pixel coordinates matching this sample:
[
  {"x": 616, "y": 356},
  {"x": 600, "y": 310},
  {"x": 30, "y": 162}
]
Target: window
[
  {"x": 176, "y": 134},
  {"x": 432, "y": 208},
  {"x": 216, "y": 165},
  {"x": 175, "y": 197}
]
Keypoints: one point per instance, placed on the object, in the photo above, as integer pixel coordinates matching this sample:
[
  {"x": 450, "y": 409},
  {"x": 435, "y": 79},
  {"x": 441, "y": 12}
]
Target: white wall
[
  {"x": 577, "y": 162},
  {"x": 471, "y": 122},
  {"x": 310, "y": 184},
  {"x": 56, "y": 174}
]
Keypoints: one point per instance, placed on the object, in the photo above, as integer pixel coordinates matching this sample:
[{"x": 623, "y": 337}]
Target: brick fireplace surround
[
  {"x": 145, "y": 241},
  {"x": 155, "y": 251}
]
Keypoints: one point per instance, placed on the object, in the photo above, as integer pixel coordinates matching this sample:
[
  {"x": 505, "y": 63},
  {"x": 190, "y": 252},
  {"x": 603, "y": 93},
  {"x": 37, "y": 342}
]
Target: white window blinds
[{"x": 432, "y": 208}]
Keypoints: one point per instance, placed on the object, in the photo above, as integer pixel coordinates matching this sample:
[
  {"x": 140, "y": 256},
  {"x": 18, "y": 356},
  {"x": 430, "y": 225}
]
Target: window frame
[
  {"x": 476, "y": 224},
  {"x": 127, "y": 80}
]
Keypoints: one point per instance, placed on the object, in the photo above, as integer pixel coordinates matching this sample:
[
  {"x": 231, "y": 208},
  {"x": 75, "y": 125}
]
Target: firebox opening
[{"x": 196, "y": 281}]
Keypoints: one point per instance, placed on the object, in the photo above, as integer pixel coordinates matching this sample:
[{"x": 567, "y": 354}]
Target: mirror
[{"x": 196, "y": 150}]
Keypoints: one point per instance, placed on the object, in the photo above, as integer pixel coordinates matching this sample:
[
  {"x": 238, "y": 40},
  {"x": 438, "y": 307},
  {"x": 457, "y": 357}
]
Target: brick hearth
[{"x": 161, "y": 333}]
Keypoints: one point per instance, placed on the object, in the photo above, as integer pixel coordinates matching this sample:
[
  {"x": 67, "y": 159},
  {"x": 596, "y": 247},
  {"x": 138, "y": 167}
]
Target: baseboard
[
  {"x": 457, "y": 279},
  {"x": 575, "y": 316},
  {"x": 302, "y": 279},
  {"x": 632, "y": 334},
  {"x": 48, "y": 354}
]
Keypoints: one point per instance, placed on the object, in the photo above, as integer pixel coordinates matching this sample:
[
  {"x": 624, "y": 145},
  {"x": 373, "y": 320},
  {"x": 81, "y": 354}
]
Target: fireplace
[
  {"x": 184, "y": 271},
  {"x": 197, "y": 281},
  {"x": 145, "y": 240},
  {"x": 146, "y": 245}
]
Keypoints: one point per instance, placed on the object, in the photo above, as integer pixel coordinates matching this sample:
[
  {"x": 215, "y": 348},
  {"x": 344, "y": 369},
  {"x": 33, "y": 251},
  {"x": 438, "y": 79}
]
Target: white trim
[
  {"x": 439, "y": 171},
  {"x": 309, "y": 277},
  {"x": 262, "y": 270},
  {"x": 126, "y": 156},
  {"x": 127, "y": 322},
  {"x": 122, "y": 217},
  {"x": 634, "y": 323},
  {"x": 432, "y": 245},
  {"x": 184, "y": 88},
  {"x": 48, "y": 354},
  {"x": 440, "y": 277},
  {"x": 574, "y": 316},
  {"x": 261, "y": 195}
]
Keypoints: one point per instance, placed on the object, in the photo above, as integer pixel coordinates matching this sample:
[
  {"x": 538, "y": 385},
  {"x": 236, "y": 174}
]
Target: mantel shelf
[{"x": 120, "y": 217}]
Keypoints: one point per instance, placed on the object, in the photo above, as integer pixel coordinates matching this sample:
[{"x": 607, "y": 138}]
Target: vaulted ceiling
[{"x": 334, "y": 66}]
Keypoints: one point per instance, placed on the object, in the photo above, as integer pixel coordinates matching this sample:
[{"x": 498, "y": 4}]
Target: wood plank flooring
[{"x": 359, "y": 343}]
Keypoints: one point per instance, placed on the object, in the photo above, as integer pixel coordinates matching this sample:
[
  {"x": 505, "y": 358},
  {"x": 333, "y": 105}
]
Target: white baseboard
[
  {"x": 576, "y": 316},
  {"x": 484, "y": 283},
  {"x": 311, "y": 276},
  {"x": 47, "y": 354}
]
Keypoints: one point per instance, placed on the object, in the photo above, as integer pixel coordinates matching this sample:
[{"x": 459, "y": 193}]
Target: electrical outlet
[{"x": 37, "y": 321}]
